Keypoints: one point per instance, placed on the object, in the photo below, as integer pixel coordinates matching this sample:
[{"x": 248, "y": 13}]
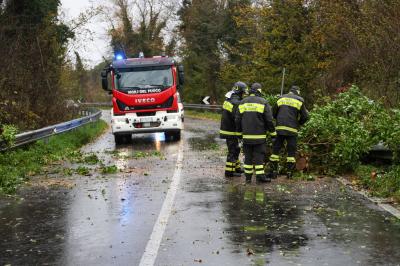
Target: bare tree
[{"x": 141, "y": 26}]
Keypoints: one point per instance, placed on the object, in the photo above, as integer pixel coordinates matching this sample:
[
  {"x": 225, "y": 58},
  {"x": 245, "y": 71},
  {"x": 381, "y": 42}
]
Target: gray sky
[{"x": 92, "y": 47}]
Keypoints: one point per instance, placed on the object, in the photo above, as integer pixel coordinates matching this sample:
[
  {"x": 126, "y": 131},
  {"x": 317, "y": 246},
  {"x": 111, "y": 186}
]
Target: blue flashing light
[{"x": 119, "y": 57}]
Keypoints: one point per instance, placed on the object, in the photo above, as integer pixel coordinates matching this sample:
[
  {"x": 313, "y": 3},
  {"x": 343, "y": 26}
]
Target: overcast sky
[{"x": 91, "y": 50}]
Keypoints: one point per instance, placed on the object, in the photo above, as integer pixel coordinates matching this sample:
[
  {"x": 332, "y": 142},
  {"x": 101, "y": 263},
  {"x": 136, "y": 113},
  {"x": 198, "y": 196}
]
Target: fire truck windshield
[{"x": 159, "y": 76}]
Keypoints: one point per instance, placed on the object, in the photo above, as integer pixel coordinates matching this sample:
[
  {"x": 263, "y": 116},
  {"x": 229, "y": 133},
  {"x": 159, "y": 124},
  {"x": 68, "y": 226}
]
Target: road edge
[{"x": 379, "y": 202}]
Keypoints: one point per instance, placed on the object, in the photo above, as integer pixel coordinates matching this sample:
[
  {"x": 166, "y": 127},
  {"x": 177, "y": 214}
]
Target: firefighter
[
  {"x": 228, "y": 128},
  {"x": 254, "y": 120},
  {"x": 290, "y": 113}
]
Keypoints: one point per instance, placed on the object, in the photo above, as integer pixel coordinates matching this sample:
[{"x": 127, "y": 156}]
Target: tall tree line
[
  {"x": 33, "y": 44},
  {"x": 324, "y": 45},
  {"x": 138, "y": 26}
]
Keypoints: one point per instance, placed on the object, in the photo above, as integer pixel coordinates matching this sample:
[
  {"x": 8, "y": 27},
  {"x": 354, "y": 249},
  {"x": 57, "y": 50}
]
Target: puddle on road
[
  {"x": 261, "y": 223},
  {"x": 333, "y": 228},
  {"x": 208, "y": 142}
]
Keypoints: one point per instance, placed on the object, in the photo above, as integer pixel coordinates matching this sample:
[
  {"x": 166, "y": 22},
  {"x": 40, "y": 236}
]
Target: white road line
[{"x": 150, "y": 253}]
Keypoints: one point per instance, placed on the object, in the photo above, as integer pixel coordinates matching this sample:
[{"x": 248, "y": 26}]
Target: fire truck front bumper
[{"x": 161, "y": 122}]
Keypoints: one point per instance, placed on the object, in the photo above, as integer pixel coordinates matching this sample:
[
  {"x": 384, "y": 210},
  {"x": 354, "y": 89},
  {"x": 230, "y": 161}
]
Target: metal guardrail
[
  {"x": 108, "y": 104},
  {"x": 186, "y": 105},
  {"x": 32, "y": 136},
  {"x": 203, "y": 106}
]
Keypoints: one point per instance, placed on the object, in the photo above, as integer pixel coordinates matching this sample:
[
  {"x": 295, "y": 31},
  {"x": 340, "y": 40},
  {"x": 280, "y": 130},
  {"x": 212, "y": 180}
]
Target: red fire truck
[{"x": 145, "y": 96}]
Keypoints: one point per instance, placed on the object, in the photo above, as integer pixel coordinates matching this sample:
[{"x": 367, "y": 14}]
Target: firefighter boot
[
  {"x": 229, "y": 174},
  {"x": 238, "y": 169},
  {"x": 263, "y": 178},
  {"x": 230, "y": 169},
  {"x": 290, "y": 170},
  {"x": 273, "y": 171}
]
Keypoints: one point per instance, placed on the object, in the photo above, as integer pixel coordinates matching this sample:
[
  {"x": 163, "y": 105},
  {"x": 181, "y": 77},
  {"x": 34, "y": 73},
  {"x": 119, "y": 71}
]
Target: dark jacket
[
  {"x": 290, "y": 113},
  {"x": 229, "y": 110},
  {"x": 254, "y": 120}
]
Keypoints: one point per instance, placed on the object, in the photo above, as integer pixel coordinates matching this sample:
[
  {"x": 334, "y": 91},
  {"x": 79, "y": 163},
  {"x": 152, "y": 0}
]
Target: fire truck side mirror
[
  {"x": 181, "y": 75},
  {"x": 104, "y": 79}
]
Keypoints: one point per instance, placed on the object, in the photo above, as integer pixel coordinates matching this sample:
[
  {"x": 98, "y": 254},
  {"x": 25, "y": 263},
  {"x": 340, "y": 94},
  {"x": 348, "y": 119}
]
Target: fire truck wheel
[
  {"x": 173, "y": 135},
  {"x": 120, "y": 139},
  {"x": 177, "y": 135}
]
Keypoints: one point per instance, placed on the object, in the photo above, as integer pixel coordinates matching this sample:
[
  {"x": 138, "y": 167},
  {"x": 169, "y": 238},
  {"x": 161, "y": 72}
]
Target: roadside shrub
[
  {"x": 7, "y": 134},
  {"x": 380, "y": 182},
  {"x": 339, "y": 133},
  {"x": 271, "y": 99}
]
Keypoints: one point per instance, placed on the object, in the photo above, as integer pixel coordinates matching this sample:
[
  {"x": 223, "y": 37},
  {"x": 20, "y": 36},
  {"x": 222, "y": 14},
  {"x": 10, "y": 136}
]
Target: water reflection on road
[
  {"x": 107, "y": 219},
  {"x": 331, "y": 227}
]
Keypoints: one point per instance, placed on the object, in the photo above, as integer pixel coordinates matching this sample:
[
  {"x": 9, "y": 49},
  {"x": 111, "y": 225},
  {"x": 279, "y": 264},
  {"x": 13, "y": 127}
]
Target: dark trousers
[
  {"x": 232, "y": 159},
  {"x": 254, "y": 158},
  {"x": 291, "y": 146}
]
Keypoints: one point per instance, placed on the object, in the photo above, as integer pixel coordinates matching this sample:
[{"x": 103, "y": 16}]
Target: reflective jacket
[
  {"x": 229, "y": 110},
  {"x": 290, "y": 113},
  {"x": 254, "y": 119}
]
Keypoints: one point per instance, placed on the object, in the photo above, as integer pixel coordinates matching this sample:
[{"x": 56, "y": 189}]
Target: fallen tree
[{"x": 343, "y": 130}]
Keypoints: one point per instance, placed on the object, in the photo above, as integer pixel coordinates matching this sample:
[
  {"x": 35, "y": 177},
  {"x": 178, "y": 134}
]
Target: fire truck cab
[{"x": 145, "y": 96}]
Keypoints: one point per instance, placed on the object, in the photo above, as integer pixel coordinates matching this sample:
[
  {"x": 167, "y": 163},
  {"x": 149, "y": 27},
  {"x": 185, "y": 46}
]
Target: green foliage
[
  {"x": 324, "y": 45},
  {"x": 82, "y": 170},
  {"x": 137, "y": 154},
  {"x": 277, "y": 38},
  {"x": 380, "y": 182},
  {"x": 203, "y": 115},
  {"x": 142, "y": 154},
  {"x": 8, "y": 133},
  {"x": 202, "y": 27},
  {"x": 112, "y": 169},
  {"x": 339, "y": 133},
  {"x": 355, "y": 43},
  {"x": 91, "y": 159},
  {"x": 18, "y": 165},
  {"x": 271, "y": 99},
  {"x": 31, "y": 32}
]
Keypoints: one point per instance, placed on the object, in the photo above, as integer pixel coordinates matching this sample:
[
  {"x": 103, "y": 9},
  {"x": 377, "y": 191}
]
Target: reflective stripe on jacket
[
  {"x": 229, "y": 109},
  {"x": 254, "y": 119},
  {"x": 290, "y": 113}
]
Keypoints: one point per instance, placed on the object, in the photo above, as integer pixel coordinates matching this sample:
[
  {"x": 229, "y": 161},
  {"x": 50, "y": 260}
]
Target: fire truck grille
[{"x": 167, "y": 104}]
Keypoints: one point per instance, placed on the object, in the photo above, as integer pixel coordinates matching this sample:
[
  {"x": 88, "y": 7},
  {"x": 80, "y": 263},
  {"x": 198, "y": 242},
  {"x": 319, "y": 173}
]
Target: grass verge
[
  {"x": 18, "y": 165},
  {"x": 203, "y": 115},
  {"x": 380, "y": 182}
]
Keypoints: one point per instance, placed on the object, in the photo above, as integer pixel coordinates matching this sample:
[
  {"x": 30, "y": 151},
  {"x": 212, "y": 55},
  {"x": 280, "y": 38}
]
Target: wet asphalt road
[{"x": 107, "y": 219}]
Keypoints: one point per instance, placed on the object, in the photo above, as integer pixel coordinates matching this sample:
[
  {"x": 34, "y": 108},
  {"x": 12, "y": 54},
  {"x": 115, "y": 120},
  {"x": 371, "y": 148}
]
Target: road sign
[{"x": 205, "y": 100}]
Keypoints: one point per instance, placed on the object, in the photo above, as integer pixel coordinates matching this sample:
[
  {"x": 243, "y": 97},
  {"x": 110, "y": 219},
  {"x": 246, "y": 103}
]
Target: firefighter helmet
[
  {"x": 295, "y": 90},
  {"x": 256, "y": 88},
  {"x": 240, "y": 88}
]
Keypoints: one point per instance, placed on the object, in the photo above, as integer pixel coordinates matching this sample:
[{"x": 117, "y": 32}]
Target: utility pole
[{"x": 283, "y": 80}]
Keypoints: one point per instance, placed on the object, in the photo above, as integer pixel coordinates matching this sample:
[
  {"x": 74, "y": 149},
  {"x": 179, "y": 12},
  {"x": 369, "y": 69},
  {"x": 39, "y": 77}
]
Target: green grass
[
  {"x": 18, "y": 165},
  {"x": 203, "y": 115},
  {"x": 379, "y": 181}
]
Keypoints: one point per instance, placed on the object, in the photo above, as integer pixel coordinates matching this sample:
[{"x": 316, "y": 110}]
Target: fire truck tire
[
  {"x": 120, "y": 139},
  {"x": 173, "y": 135},
  {"x": 177, "y": 135}
]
